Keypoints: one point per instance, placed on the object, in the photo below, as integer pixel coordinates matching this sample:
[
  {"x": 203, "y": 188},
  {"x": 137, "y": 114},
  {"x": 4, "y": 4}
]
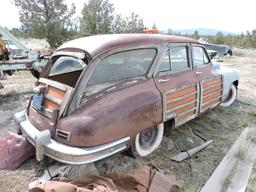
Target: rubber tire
[
  {"x": 233, "y": 91},
  {"x": 138, "y": 151}
]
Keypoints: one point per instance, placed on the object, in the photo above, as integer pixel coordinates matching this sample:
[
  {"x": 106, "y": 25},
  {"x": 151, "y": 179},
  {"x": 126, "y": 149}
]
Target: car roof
[{"x": 97, "y": 44}]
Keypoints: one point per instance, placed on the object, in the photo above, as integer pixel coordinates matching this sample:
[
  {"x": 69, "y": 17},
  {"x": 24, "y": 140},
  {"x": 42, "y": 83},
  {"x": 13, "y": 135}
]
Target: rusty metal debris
[
  {"x": 16, "y": 56},
  {"x": 14, "y": 150},
  {"x": 184, "y": 155}
]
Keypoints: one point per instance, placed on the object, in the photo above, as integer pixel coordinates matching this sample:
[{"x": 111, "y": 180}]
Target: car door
[
  {"x": 178, "y": 84},
  {"x": 210, "y": 81}
]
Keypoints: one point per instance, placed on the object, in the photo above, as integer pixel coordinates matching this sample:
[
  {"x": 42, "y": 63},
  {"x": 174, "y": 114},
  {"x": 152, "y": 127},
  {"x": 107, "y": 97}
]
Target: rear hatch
[
  {"x": 54, "y": 92},
  {"x": 48, "y": 104}
]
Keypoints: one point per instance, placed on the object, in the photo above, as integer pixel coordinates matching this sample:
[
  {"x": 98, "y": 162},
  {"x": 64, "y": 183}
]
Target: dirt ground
[{"x": 223, "y": 125}]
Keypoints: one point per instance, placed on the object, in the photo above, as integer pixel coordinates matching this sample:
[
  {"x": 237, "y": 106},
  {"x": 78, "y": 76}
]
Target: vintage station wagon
[{"x": 103, "y": 94}]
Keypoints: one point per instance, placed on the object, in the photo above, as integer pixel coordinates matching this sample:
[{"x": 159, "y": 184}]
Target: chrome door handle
[
  {"x": 199, "y": 72},
  {"x": 163, "y": 80}
]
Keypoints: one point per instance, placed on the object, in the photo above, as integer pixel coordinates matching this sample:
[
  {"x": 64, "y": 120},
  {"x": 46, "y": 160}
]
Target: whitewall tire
[
  {"x": 147, "y": 141},
  {"x": 231, "y": 97}
]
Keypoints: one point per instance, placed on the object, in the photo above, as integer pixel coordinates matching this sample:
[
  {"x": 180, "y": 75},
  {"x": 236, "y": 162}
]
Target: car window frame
[
  {"x": 192, "y": 56},
  {"x": 129, "y": 78},
  {"x": 170, "y": 45}
]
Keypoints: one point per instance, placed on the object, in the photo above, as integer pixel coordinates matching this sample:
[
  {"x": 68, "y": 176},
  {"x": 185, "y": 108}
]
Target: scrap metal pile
[{"x": 16, "y": 56}]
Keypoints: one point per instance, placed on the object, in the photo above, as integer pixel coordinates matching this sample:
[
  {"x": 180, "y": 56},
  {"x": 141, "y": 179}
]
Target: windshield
[{"x": 66, "y": 64}]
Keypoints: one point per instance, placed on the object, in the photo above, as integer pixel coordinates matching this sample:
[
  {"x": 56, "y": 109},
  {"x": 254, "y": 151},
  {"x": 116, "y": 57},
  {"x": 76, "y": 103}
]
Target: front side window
[
  {"x": 199, "y": 57},
  {"x": 123, "y": 65},
  {"x": 175, "y": 59},
  {"x": 66, "y": 64}
]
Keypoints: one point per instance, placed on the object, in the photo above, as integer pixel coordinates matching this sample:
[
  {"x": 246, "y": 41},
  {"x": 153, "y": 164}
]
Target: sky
[{"x": 227, "y": 15}]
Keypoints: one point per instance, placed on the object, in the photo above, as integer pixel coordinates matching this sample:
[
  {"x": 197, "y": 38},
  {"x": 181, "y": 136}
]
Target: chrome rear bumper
[{"x": 44, "y": 145}]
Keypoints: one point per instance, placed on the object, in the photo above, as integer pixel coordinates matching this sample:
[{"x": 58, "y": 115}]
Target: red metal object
[
  {"x": 14, "y": 150},
  {"x": 151, "y": 31}
]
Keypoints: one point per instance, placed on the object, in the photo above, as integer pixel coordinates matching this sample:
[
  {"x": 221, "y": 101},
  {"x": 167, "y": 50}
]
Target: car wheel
[
  {"x": 231, "y": 97},
  {"x": 147, "y": 141}
]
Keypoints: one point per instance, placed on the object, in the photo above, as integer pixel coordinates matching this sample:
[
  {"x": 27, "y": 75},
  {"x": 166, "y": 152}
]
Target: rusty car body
[{"x": 103, "y": 94}]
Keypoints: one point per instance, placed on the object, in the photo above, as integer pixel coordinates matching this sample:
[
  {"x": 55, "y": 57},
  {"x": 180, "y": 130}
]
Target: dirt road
[{"x": 223, "y": 125}]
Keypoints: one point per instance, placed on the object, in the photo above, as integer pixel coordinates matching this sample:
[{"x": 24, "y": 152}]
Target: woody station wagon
[{"x": 103, "y": 94}]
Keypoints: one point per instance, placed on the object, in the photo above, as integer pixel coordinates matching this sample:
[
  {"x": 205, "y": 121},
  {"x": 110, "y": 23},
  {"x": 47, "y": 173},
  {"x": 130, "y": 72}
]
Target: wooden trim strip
[
  {"x": 185, "y": 116},
  {"x": 55, "y": 100},
  {"x": 206, "y": 92},
  {"x": 53, "y": 83},
  {"x": 210, "y": 104},
  {"x": 55, "y": 92},
  {"x": 211, "y": 86},
  {"x": 181, "y": 106},
  {"x": 50, "y": 104},
  {"x": 208, "y": 83},
  {"x": 180, "y": 102},
  {"x": 182, "y": 97},
  {"x": 214, "y": 99},
  {"x": 183, "y": 113},
  {"x": 218, "y": 91},
  {"x": 211, "y": 97},
  {"x": 180, "y": 93},
  {"x": 183, "y": 109}
]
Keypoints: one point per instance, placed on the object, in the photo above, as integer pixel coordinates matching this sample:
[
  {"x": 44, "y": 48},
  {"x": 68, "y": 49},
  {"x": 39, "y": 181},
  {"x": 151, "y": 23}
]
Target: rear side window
[
  {"x": 123, "y": 65},
  {"x": 199, "y": 57},
  {"x": 66, "y": 65},
  {"x": 175, "y": 59}
]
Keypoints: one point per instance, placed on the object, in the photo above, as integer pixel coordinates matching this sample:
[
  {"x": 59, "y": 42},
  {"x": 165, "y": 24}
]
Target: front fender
[{"x": 230, "y": 75}]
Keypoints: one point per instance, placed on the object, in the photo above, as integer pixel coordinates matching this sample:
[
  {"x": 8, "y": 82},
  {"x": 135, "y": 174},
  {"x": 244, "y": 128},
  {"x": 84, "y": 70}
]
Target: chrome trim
[
  {"x": 164, "y": 107},
  {"x": 68, "y": 154},
  {"x": 63, "y": 134},
  {"x": 198, "y": 98}
]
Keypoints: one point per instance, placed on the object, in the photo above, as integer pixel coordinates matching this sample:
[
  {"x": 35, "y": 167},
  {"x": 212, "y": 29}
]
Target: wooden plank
[{"x": 231, "y": 163}]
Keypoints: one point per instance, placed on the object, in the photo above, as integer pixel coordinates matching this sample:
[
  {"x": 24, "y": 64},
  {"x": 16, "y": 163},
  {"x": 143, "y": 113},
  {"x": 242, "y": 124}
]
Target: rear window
[
  {"x": 66, "y": 65},
  {"x": 123, "y": 65}
]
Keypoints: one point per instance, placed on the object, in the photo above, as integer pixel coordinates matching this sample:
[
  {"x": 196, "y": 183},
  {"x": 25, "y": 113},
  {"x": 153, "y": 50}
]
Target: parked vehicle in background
[
  {"x": 221, "y": 50},
  {"x": 103, "y": 94}
]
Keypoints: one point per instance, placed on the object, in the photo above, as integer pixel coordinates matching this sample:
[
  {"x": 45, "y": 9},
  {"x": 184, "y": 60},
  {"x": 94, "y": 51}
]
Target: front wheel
[
  {"x": 147, "y": 141},
  {"x": 231, "y": 97}
]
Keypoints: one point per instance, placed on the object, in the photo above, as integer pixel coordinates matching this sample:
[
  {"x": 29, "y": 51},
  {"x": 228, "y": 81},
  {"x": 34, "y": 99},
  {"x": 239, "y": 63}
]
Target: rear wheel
[
  {"x": 147, "y": 141},
  {"x": 231, "y": 97}
]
